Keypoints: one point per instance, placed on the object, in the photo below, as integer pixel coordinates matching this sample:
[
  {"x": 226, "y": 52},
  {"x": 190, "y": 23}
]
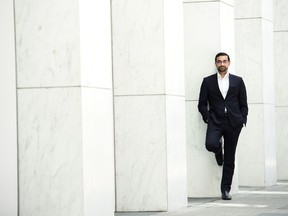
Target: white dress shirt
[{"x": 223, "y": 84}]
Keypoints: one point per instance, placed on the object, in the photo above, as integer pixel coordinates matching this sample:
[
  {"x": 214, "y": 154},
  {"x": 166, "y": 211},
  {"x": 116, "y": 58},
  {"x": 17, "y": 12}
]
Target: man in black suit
[{"x": 223, "y": 106}]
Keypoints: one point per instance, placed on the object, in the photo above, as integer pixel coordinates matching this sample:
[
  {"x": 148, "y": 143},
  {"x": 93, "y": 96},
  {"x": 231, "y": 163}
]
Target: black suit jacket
[{"x": 212, "y": 104}]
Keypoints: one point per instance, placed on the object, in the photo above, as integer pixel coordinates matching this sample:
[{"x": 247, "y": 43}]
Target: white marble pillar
[
  {"x": 8, "y": 127},
  {"x": 281, "y": 76},
  {"x": 150, "y": 135},
  {"x": 209, "y": 29},
  {"x": 65, "y": 108},
  {"x": 254, "y": 61}
]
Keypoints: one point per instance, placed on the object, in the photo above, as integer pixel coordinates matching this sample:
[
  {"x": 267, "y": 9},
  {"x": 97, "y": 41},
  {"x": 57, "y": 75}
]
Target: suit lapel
[{"x": 231, "y": 83}]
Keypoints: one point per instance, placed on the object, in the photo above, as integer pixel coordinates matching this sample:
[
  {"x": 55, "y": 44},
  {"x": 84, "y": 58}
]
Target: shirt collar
[{"x": 225, "y": 77}]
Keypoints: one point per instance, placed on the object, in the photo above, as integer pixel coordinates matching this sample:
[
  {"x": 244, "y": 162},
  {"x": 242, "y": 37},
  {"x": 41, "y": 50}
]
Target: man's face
[{"x": 222, "y": 64}]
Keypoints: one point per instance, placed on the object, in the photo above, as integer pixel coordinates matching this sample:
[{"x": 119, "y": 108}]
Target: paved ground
[{"x": 250, "y": 201}]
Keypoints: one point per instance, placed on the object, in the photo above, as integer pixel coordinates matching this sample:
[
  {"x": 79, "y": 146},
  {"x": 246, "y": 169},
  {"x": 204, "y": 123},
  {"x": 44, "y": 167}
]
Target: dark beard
[{"x": 222, "y": 69}]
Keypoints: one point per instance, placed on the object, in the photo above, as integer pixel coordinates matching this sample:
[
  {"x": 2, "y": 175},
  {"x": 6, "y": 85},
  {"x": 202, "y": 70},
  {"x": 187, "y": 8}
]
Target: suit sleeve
[
  {"x": 203, "y": 101},
  {"x": 243, "y": 101}
]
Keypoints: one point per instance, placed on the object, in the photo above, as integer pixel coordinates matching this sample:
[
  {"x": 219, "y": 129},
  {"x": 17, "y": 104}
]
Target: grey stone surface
[{"x": 250, "y": 201}]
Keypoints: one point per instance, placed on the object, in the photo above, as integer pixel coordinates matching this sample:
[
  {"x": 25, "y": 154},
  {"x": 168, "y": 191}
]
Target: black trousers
[{"x": 230, "y": 135}]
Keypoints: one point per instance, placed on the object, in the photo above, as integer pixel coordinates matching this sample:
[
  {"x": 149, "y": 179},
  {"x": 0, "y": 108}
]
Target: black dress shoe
[
  {"x": 219, "y": 158},
  {"x": 226, "y": 195}
]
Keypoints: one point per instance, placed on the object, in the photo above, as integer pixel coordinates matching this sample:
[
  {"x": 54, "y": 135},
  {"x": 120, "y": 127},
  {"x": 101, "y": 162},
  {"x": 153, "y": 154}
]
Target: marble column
[
  {"x": 254, "y": 61},
  {"x": 209, "y": 29},
  {"x": 150, "y": 135},
  {"x": 65, "y": 108},
  {"x": 281, "y": 76},
  {"x": 8, "y": 127}
]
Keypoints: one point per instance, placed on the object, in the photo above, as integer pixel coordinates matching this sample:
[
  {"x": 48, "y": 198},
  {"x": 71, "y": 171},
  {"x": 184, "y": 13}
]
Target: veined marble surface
[
  {"x": 140, "y": 153},
  {"x": 65, "y": 102},
  {"x": 50, "y": 154},
  {"x": 65, "y": 137},
  {"x": 280, "y": 15},
  {"x": 249, "y": 63},
  {"x": 281, "y": 137},
  {"x": 150, "y": 153},
  {"x": 281, "y": 63},
  {"x": 138, "y": 47},
  {"x": 281, "y": 76},
  {"x": 47, "y": 40},
  {"x": 254, "y": 9},
  {"x": 254, "y": 42},
  {"x": 149, "y": 93},
  {"x": 148, "y": 47},
  {"x": 262, "y": 164}
]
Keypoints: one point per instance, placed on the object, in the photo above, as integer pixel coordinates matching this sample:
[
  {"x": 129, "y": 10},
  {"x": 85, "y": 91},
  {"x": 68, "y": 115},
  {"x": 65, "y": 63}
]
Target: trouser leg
[
  {"x": 231, "y": 136},
  {"x": 213, "y": 135}
]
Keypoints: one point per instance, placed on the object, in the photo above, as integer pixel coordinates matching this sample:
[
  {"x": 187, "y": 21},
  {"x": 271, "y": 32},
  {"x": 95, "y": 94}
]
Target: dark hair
[{"x": 222, "y": 54}]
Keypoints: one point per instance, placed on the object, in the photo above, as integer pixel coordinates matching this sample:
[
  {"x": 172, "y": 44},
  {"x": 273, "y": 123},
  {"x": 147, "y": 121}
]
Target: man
[{"x": 223, "y": 106}]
